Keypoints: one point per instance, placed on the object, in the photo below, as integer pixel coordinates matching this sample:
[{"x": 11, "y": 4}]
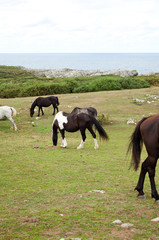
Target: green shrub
[
  {"x": 84, "y": 87},
  {"x": 104, "y": 120},
  {"x": 132, "y": 83},
  {"x": 9, "y": 91},
  {"x": 105, "y": 84}
]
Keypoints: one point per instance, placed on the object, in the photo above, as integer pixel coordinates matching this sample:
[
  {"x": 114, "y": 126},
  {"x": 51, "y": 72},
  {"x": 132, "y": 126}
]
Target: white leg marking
[
  {"x": 64, "y": 143},
  {"x": 96, "y": 144},
  {"x": 81, "y": 145}
]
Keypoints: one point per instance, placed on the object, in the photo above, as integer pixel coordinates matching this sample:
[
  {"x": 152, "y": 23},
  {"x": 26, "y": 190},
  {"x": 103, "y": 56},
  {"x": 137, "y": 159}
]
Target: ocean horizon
[{"x": 143, "y": 63}]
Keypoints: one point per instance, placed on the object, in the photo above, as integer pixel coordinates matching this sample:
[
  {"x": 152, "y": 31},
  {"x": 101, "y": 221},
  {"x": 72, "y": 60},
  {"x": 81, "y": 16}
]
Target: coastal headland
[{"x": 67, "y": 72}]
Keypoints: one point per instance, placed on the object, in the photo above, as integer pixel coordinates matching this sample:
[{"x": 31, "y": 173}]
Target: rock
[
  {"x": 117, "y": 221},
  {"x": 98, "y": 191},
  {"x": 126, "y": 225},
  {"x": 155, "y": 219},
  {"x": 66, "y": 72}
]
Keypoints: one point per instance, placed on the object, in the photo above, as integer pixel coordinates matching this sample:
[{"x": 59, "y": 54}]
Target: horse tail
[
  {"x": 100, "y": 129},
  {"x": 54, "y": 133},
  {"x": 14, "y": 112},
  {"x": 135, "y": 145}
]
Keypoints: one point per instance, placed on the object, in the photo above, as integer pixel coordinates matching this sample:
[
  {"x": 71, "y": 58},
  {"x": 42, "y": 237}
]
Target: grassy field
[{"x": 48, "y": 193}]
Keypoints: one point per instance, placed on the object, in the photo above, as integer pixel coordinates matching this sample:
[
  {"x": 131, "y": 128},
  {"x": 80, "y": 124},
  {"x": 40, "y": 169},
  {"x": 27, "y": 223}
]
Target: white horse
[{"x": 8, "y": 112}]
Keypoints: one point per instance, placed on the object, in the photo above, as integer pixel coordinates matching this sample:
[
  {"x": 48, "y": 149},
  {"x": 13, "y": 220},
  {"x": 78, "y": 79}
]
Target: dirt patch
[
  {"x": 50, "y": 146},
  {"x": 124, "y": 234}
]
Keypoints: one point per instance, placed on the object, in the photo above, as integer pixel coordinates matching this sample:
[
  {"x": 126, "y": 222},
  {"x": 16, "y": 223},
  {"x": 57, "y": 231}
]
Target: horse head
[{"x": 31, "y": 112}]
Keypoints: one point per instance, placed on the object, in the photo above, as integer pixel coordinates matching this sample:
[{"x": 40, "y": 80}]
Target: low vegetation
[
  {"x": 53, "y": 193},
  {"x": 18, "y": 82}
]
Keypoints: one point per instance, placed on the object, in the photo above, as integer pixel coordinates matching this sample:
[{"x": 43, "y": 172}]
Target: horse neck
[
  {"x": 33, "y": 105},
  {"x": 13, "y": 112}
]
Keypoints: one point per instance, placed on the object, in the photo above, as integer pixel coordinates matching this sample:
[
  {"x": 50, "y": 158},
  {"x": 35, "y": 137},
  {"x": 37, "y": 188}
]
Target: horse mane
[
  {"x": 14, "y": 112},
  {"x": 33, "y": 105}
]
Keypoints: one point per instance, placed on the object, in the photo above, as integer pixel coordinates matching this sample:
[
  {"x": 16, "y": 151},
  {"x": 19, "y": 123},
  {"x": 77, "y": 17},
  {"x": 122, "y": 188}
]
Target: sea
[{"x": 143, "y": 63}]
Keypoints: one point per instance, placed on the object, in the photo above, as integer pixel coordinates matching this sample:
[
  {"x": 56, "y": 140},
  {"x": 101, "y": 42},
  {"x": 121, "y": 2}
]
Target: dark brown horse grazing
[
  {"x": 147, "y": 132},
  {"x": 44, "y": 102},
  {"x": 72, "y": 122}
]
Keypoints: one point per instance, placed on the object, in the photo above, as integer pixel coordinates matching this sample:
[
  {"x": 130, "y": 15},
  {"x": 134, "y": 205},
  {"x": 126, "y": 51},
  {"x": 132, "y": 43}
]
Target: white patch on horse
[
  {"x": 82, "y": 111},
  {"x": 64, "y": 143},
  {"x": 8, "y": 112},
  {"x": 96, "y": 144},
  {"x": 61, "y": 120},
  {"x": 81, "y": 145}
]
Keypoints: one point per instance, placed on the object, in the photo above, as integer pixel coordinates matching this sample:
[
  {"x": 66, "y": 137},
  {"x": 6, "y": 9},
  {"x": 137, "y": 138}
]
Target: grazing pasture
[{"x": 54, "y": 193}]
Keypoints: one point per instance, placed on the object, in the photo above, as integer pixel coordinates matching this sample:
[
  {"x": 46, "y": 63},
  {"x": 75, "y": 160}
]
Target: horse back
[
  {"x": 150, "y": 134},
  {"x": 6, "y": 111},
  {"x": 54, "y": 100}
]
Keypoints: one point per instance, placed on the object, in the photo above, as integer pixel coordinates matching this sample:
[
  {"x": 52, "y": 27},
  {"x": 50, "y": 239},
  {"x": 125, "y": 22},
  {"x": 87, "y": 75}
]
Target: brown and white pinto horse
[
  {"x": 147, "y": 132},
  {"x": 72, "y": 122}
]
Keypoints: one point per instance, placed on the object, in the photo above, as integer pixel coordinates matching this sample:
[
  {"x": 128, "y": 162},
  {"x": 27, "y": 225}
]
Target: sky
[{"x": 79, "y": 26}]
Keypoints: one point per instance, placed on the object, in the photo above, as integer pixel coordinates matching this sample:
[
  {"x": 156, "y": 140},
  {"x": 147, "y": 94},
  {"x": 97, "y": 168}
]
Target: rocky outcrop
[{"x": 66, "y": 72}]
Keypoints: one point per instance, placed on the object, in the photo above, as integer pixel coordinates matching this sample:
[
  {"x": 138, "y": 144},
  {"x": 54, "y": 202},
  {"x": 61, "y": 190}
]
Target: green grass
[{"x": 46, "y": 193}]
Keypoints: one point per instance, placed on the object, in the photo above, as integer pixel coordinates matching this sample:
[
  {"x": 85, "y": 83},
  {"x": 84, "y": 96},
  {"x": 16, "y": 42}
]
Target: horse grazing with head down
[
  {"x": 44, "y": 102},
  {"x": 72, "y": 122},
  {"x": 147, "y": 132},
  {"x": 8, "y": 112}
]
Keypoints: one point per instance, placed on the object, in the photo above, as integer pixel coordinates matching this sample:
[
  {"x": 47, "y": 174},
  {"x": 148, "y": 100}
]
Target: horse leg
[
  {"x": 83, "y": 138},
  {"x": 141, "y": 180},
  {"x": 54, "y": 109},
  {"x": 64, "y": 142},
  {"x": 12, "y": 123},
  {"x": 42, "y": 111},
  {"x": 96, "y": 146},
  {"x": 39, "y": 112},
  {"x": 151, "y": 172}
]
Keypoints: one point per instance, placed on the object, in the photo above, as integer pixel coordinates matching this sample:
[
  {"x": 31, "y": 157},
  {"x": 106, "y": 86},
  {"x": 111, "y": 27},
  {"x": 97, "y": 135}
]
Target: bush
[
  {"x": 132, "y": 83},
  {"x": 104, "y": 120},
  {"x": 105, "y": 84},
  {"x": 9, "y": 91}
]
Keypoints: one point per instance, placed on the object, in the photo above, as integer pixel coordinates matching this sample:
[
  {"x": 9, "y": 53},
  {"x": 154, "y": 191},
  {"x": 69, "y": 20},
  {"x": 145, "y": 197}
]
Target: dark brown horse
[
  {"x": 44, "y": 102},
  {"x": 147, "y": 132},
  {"x": 72, "y": 122}
]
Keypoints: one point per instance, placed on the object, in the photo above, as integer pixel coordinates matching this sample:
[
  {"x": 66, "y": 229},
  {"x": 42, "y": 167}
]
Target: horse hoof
[
  {"x": 141, "y": 196},
  {"x": 79, "y": 148},
  {"x": 157, "y": 201},
  {"x": 63, "y": 146}
]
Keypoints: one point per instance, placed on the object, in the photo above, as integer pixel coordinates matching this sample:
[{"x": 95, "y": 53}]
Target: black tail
[
  {"x": 54, "y": 133},
  {"x": 135, "y": 145},
  {"x": 100, "y": 129}
]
